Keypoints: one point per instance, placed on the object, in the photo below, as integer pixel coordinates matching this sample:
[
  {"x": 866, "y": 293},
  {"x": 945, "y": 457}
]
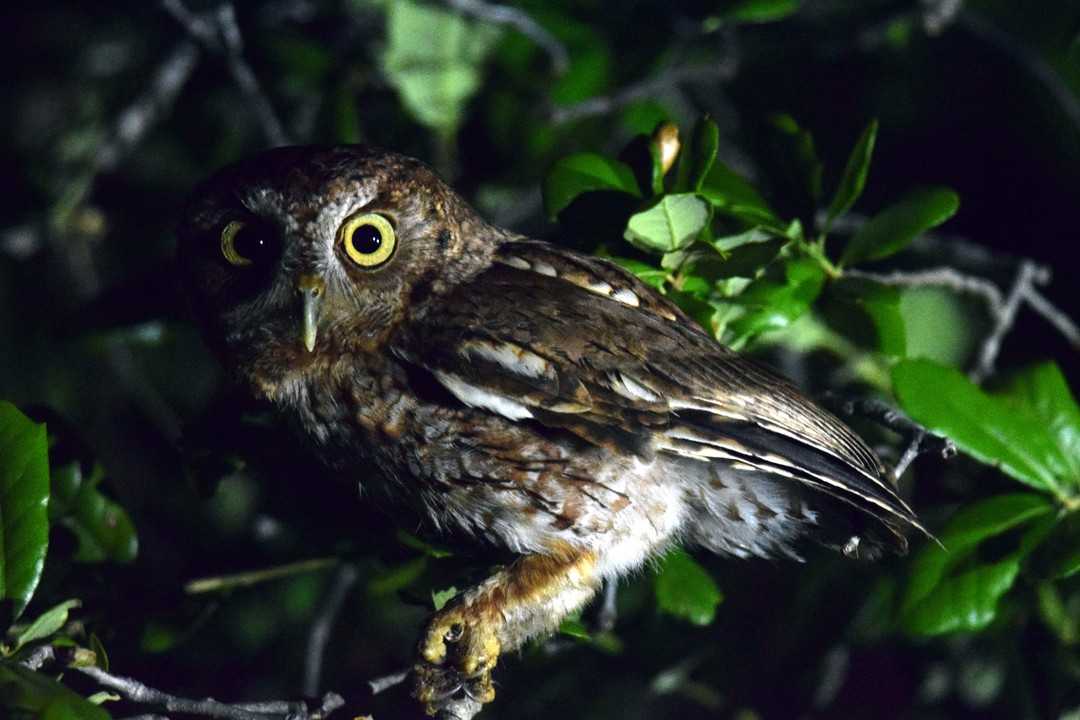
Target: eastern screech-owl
[{"x": 509, "y": 390}]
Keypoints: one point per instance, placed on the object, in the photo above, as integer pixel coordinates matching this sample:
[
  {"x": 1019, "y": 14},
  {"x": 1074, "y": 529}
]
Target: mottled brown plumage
[{"x": 510, "y": 391}]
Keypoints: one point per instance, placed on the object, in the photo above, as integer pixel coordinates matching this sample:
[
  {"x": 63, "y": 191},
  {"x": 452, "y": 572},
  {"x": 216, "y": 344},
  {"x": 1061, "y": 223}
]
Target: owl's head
[{"x": 307, "y": 252}]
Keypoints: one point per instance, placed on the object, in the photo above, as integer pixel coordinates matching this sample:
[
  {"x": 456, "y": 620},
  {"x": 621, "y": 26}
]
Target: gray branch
[
  {"x": 142, "y": 694},
  {"x": 218, "y": 31},
  {"x": 343, "y": 580},
  {"x": 520, "y": 21}
]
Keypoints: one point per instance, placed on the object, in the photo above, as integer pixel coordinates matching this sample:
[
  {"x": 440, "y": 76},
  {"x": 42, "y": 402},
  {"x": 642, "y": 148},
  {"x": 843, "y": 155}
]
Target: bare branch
[
  {"x": 520, "y": 21},
  {"x": 218, "y": 31},
  {"x": 943, "y": 277},
  {"x": 254, "y": 577},
  {"x": 134, "y": 122},
  {"x": 384, "y": 683},
  {"x": 1054, "y": 316},
  {"x": 342, "y": 582},
  {"x": 1004, "y": 318},
  {"x": 137, "y": 692},
  {"x": 605, "y": 104}
]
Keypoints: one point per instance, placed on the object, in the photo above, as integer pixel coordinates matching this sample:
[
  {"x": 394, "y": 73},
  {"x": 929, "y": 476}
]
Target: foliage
[{"x": 660, "y": 140}]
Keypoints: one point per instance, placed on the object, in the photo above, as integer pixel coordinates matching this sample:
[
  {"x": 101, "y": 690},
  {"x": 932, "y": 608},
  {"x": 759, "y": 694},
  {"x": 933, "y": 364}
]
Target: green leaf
[
  {"x": 803, "y": 154},
  {"x": 24, "y": 690},
  {"x": 734, "y": 196},
  {"x": 761, "y": 11},
  {"x": 938, "y": 325},
  {"x": 868, "y": 313},
  {"x": 697, "y": 160},
  {"x": 411, "y": 541},
  {"x": 434, "y": 58},
  {"x": 892, "y": 229},
  {"x": 585, "y": 172},
  {"x": 1042, "y": 392},
  {"x": 854, "y": 178},
  {"x": 398, "y": 577},
  {"x": 777, "y": 299},
  {"x": 985, "y": 427},
  {"x": 937, "y": 599},
  {"x": 967, "y": 601},
  {"x": 969, "y": 527},
  {"x": 573, "y": 627},
  {"x": 439, "y": 598},
  {"x": 46, "y": 624},
  {"x": 669, "y": 225},
  {"x": 24, "y": 499},
  {"x": 653, "y": 276},
  {"x": 103, "y": 529},
  {"x": 684, "y": 589}
]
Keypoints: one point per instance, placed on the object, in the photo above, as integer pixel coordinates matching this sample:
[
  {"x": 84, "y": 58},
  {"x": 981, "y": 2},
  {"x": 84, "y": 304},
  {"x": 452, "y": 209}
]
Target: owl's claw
[{"x": 457, "y": 654}]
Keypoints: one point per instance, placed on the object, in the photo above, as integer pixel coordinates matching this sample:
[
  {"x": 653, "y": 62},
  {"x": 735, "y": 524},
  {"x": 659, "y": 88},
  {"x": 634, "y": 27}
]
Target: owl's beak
[{"x": 311, "y": 289}]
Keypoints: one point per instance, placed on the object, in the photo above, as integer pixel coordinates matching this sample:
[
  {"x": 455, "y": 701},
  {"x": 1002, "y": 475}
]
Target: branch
[
  {"x": 254, "y": 577},
  {"x": 384, "y": 683},
  {"x": 604, "y": 104},
  {"x": 134, "y": 122},
  {"x": 1005, "y": 317},
  {"x": 920, "y": 439},
  {"x": 345, "y": 577},
  {"x": 139, "y": 693},
  {"x": 520, "y": 21},
  {"x": 218, "y": 31}
]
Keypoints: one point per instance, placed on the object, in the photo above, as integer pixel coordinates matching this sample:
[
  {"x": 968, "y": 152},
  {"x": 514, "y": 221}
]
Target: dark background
[{"x": 93, "y": 334}]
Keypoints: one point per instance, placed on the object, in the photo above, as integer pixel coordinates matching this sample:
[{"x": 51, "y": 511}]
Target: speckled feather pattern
[{"x": 516, "y": 393}]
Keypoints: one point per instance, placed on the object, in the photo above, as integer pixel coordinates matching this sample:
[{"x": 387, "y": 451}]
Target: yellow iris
[
  {"x": 228, "y": 244},
  {"x": 368, "y": 239}
]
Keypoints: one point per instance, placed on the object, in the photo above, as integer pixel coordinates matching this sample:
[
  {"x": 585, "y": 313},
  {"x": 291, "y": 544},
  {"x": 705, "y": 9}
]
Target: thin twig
[
  {"x": 254, "y": 577},
  {"x": 520, "y": 21},
  {"x": 1038, "y": 302},
  {"x": 608, "y": 614},
  {"x": 218, "y": 31},
  {"x": 649, "y": 87},
  {"x": 920, "y": 439},
  {"x": 142, "y": 694},
  {"x": 343, "y": 580},
  {"x": 1004, "y": 319},
  {"x": 133, "y": 123},
  {"x": 943, "y": 277},
  {"x": 384, "y": 683}
]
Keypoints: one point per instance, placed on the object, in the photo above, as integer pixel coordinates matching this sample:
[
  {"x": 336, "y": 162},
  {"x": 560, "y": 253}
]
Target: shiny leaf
[
  {"x": 868, "y": 313},
  {"x": 686, "y": 590},
  {"x": 891, "y": 230},
  {"x": 24, "y": 499},
  {"x": 776, "y": 300},
  {"x": 855, "y": 172},
  {"x": 986, "y": 427},
  {"x": 1042, "y": 392},
  {"x": 671, "y": 224},
  {"x": 732, "y": 195},
  {"x": 585, "y": 172},
  {"x": 46, "y": 624}
]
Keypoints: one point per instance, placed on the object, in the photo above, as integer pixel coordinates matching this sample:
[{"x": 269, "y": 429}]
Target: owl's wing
[{"x": 574, "y": 342}]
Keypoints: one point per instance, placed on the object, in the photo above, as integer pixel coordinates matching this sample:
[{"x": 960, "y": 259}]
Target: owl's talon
[{"x": 458, "y": 651}]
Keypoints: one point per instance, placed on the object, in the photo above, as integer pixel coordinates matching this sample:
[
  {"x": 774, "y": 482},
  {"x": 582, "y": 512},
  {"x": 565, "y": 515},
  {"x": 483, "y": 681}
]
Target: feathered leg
[{"x": 462, "y": 642}]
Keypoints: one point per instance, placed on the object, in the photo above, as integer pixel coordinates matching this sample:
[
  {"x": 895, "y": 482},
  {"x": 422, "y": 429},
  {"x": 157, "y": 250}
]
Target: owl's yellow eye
[
  {"x": 368, "y": 239},
  {"x": 228, "y": 244},
  {"x": 249, "y": 243}
]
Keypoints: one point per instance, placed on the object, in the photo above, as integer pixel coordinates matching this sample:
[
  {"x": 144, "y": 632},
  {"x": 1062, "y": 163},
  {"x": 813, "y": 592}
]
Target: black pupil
[
  {"x": 252, "y": 243},
  {"x": 366, "y": 239}
]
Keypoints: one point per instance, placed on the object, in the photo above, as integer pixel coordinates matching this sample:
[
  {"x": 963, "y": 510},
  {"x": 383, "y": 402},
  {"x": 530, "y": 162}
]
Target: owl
[{"x": 510, "y": 391}]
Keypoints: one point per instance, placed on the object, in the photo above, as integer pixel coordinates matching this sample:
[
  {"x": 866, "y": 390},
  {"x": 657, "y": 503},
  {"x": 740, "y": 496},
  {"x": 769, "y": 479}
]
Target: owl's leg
[{"x": 463, "y": 641}]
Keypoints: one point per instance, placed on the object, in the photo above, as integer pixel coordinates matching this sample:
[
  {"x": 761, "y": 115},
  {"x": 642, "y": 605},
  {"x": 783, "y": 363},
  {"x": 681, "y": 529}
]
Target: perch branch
[
  {"x": 142, "y": 694},
  {"x": 343, "y": 580},
  {"x": 218, "y": 31},
  {"x": 520, "y": 21}
]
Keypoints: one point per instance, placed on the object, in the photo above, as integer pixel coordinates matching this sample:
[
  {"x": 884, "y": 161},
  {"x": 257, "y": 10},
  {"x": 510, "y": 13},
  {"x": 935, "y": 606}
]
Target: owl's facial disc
[{"x": 311, "y": 289}]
